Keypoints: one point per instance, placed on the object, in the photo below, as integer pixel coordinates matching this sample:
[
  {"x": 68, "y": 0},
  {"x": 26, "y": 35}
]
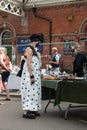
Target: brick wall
[{"x": 66, "y": 24}]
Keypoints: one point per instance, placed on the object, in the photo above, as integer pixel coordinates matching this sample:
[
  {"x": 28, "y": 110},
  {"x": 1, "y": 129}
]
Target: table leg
[
  {"x": 66, "y": 113},
  {"x": 48, "y": 105},
  {"x": 70, "y": 106},
  {"x": 48, "y": 101},
  {"x": 61, "y": 112}
]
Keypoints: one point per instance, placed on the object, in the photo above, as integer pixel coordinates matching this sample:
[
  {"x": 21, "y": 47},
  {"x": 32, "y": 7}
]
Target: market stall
[{"x": 72, "y": 91}]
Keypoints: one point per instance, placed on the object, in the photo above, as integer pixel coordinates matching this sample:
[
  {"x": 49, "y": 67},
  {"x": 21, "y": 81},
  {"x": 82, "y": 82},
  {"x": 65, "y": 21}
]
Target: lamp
[
  {"x": 4, "y": 25},
  {"x": 70, "y": 17}
]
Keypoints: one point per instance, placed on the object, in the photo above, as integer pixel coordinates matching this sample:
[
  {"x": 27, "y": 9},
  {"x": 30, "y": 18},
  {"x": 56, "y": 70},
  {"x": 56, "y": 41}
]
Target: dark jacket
[
  {"x": 78, "y": 64},
  {"x": 54, "y": 65}
]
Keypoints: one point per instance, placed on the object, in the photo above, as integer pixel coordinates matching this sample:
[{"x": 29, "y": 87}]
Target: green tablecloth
[
  {"x": 71, "y": 91},
  {"x": 49, "y": 87},
  {"x": 53, "y": 84},
  {"x": 67, "y": 91}
]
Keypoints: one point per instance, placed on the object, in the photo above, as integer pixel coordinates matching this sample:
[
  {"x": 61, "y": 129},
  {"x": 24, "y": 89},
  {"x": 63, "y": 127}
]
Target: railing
[
  {"x": 34, "y": 0},
  {"x": 16, "y": 6},
  {"x": 11, "y": 7}
]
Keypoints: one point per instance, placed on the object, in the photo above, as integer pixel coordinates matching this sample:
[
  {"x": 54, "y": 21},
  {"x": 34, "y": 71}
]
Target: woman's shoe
[
  {"x": 7, "y": 99},
  {"x": 24, "y": 116},
  {"x": 29, "y": 115},
  {"x": 36, "y": 113}
]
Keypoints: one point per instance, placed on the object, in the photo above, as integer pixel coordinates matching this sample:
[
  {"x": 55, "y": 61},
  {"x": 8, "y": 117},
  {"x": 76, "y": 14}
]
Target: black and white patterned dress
[{"x": 31, "y": 94}]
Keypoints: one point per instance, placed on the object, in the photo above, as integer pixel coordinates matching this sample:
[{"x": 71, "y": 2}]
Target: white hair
[
  {"x": 3, "y": 49},
  {"x": 54, "y": 48}
]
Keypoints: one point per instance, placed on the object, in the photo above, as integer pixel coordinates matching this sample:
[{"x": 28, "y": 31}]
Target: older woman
[
  {"x": 5, "y": 69},
  {"x": 31, "y": 80}
]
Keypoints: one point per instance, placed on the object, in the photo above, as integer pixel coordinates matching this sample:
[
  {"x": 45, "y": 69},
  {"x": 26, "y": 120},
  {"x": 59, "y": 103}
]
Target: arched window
[
  {"x": 6, "y": 41},
  {"x": 6, "y": 37},
  {"x": 86, "y": 31}
]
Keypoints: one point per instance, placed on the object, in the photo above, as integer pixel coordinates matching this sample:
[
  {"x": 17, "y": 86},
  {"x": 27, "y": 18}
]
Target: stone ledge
[{"x": 13, "y": 93}]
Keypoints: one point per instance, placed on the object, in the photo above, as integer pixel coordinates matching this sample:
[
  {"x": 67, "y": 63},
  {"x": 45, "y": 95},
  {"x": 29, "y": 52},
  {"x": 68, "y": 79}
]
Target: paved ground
[{"x": 11, "y": 117}]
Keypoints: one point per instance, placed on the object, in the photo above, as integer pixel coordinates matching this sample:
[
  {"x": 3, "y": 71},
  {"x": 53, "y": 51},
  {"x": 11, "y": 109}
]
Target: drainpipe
[{"x": 34, "y": 10}]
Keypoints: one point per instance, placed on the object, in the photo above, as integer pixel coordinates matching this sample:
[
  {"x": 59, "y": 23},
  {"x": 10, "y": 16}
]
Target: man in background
[
  {"x": 79, "y": 62},
  {"x": 55, "y": 59}
]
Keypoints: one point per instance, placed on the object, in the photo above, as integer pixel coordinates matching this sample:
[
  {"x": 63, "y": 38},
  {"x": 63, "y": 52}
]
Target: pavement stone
[{"x": 11, "y": 116}]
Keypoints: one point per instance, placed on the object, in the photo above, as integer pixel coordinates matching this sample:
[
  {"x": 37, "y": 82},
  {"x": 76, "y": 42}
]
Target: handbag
[{"x": 19, "y": 74}]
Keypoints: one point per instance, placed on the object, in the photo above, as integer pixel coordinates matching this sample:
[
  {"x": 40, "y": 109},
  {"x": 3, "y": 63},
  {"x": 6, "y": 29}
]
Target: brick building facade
[{"x": 62, "y": 25}]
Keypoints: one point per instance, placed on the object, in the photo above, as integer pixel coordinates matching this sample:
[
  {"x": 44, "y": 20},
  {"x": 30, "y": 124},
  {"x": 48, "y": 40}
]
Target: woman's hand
[{"x": 32, "y": 79}]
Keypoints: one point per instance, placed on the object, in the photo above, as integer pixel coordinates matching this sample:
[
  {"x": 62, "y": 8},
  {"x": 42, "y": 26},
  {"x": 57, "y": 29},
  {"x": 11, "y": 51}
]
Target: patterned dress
[{"x": 31, "y": 94}]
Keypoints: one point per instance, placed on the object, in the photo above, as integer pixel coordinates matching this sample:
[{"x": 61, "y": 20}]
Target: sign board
[
  {"x": 68, "y": 47},
  {"x": 24, "y": 42}
]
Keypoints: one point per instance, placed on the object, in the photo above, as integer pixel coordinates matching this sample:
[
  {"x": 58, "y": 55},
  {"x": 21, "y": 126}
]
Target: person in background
[
  {"x": 1, "y": 86},
  {"x": 5, "y": 69},
  {"x": 79, "y": 61},
  {"x": 55, "y": 59},
  {"x": 31, "y": 80}
]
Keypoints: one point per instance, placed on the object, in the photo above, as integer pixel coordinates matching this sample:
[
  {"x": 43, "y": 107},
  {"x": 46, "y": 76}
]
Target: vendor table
[
  {"x": 52, "y": 85},
  {"x": 73, "y": 91}
]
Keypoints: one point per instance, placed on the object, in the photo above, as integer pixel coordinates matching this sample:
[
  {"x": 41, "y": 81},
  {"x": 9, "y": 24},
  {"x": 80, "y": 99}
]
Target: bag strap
[
  {"x": 22, "y": 64},
  {"x": 34, "y": 51}
]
